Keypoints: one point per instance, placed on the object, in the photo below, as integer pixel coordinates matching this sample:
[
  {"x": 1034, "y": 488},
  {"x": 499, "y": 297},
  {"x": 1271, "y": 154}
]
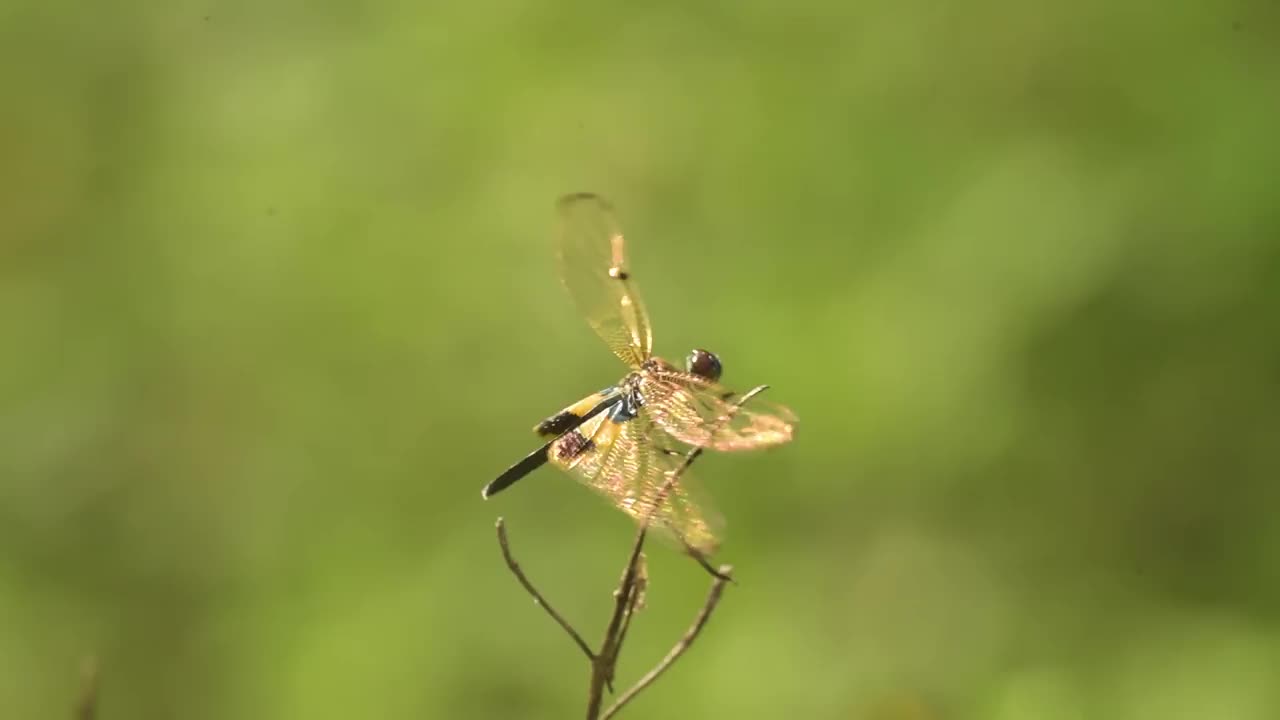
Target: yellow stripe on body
[{"x": 547, "y": 428}]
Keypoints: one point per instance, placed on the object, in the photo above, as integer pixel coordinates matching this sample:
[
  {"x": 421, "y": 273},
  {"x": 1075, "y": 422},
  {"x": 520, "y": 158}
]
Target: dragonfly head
[{"x": 704, "y": 364}]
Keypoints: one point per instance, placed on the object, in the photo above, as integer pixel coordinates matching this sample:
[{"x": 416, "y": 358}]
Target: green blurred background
[{"x": 277, "y": 299}]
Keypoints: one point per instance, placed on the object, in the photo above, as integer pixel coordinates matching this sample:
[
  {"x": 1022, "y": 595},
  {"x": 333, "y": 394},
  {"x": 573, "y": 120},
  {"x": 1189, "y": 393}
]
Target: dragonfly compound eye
[{"x": 704, "y": 364}]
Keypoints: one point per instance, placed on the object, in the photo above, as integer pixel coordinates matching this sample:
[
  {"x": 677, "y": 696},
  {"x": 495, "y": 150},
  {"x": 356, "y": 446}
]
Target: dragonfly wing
[
  {"x": 700, "y": 412},
  {"x": 619, "y": 461},
  {"x": 591, "y": 259}
]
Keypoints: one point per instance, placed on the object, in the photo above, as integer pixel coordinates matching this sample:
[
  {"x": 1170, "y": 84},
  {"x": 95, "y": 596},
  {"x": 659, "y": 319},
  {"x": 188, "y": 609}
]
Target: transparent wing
[
  {"x": 591, "y": 259},
  {"x": 622, "y": 464},
  {"x": 583, "y": 449},
  {"x": 699, "y": 412}
]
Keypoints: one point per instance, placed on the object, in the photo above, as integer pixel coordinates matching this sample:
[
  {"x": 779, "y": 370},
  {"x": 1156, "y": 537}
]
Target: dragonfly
[{"x": 628, "y": 441}]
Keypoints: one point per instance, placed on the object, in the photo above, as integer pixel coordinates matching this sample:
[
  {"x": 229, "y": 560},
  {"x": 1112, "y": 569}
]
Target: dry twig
[
  {"x": 713, "y": 598},
  {"x": 87, "y": 702},
  {"x": 537, "y": 596}
]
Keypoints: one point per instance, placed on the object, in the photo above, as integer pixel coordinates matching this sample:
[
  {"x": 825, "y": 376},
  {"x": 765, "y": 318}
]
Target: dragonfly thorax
[{"x": 632, "y": 399}]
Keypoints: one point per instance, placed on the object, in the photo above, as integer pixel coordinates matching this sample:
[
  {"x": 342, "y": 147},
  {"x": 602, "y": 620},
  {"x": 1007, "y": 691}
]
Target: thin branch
[
  {"x": 623, "y": 597},
  {"x": 87, "y": 703},
  {"x": 685, "y": 642},
  {"x": 701, "y": 559},
  {"x": 634, "y": 603},
  {"x": 537, "y": 596},
  {"x": 605, "y": 662}
]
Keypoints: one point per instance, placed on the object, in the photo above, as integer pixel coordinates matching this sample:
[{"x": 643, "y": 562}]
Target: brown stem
[
  {"x": 635, "y": 602},
  {"x": 605, "y": 662},
  {"x": 537, "y": 596},
  {"x": 713, "y": 598},
  {"x": 87, "y": 703}
]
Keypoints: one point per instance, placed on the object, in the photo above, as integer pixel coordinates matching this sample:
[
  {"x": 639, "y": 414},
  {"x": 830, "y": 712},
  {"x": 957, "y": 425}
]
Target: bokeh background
[{"x": 277, "y": 299}]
